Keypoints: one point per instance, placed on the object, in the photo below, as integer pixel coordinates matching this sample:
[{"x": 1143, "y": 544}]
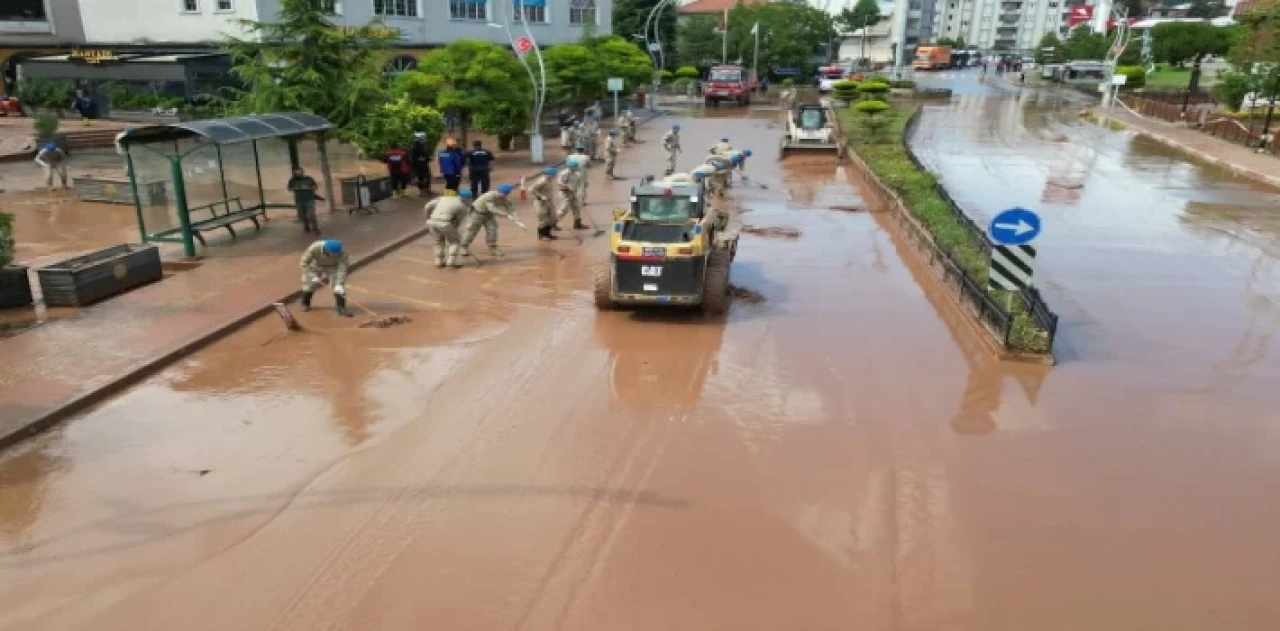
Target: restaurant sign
[{"x": 92, "y": 56}]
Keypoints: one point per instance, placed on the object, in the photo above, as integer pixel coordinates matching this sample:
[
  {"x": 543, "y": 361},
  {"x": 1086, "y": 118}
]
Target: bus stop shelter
[{"x": 176, "y": 144}]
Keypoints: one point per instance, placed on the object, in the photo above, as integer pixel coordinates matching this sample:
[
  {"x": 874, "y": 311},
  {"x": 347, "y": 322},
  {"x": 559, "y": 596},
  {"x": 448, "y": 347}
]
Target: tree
[
  {"x": 629, "y": 18},
  {"x": 790, "y": 34},
  {"x": 863, "y": 14},
  {"x": 620, "y": 58},
  {"x": 1179, "y": 42},
  {"x": 395, "y": 122},
  {"x": 957, "y": 43},
  {"x": 579, "y": 72},
  {"x": 504, "y": 120},
  {"x": 303, "y": 62},
  {"x": 475, "y": 75},
  {"x": 698, "y": 43},
  {"x": 419, "y": 87},
  {"x": 1207, "y": 9},
  {"x": 1084, "y": 44},
  {"x": 1049, "y": 50}
]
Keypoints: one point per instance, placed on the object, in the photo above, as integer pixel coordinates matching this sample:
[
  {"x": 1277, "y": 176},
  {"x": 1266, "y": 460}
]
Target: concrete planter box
[
  {"x": 118, "y": 191},
  {"x": 86, "y": 279},
  {"x": 379, "y": 189},
  {"x": 15, "y": 287}
]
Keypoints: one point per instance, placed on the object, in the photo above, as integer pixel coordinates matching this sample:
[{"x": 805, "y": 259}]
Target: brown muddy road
[{"x": 840, "y": 455}]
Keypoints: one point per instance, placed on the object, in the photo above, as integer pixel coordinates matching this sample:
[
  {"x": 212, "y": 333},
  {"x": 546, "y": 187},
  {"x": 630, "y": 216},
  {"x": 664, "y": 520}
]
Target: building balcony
[{"x": 1006, "y": 31}]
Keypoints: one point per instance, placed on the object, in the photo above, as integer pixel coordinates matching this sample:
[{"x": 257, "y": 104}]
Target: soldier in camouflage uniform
[
  {"x": 485, "y": 212},
  {"x": 446, "y": 214},
  {"x": 540, "y": 189}
]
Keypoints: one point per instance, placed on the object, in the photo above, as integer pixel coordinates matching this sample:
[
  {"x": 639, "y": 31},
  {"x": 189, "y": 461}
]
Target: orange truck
[{"x": 932, "y": 58}]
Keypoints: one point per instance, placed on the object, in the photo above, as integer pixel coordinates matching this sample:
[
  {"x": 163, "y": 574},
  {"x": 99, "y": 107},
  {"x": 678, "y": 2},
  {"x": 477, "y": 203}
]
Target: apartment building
[
  {"x": 171, "y": 39},
  {"x": 1005, "y": 25},
  {"x": 907, "y": 23}
]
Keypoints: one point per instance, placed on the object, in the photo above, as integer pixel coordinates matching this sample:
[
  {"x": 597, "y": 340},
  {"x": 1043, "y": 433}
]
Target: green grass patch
[
  {"x": 1166, "y": 77},
  {"x": 887, "y": 156}
]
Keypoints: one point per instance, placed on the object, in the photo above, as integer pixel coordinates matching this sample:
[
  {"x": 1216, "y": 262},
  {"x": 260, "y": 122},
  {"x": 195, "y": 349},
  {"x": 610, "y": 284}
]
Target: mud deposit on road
[
  {"x": 849, "y": 456},
  {"x": 385, "y": 321},
  {"x": 848, "y": 208},
  {"x": 749, "y": 296},
  {"x": 772, "y": 232}
]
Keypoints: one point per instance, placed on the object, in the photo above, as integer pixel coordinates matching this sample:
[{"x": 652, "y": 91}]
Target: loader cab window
[
  {"x": 670, "y": 209},
  {"x": 811, "y": 119}
]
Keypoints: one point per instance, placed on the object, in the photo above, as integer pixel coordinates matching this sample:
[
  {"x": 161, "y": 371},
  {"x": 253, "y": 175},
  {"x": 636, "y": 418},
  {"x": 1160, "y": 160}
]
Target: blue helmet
[
  {"x": 505, "y": 189},
  {"x": 572, "y": 164},
  {"x": 51, "y": 146},
  {"x": 746, "y": 153},
  {"x": 724, "y": 140},
  {"x": 613, "y": 132},
  {"x": 697, "y": 176},
  {"x": 734, "y": 160},
  {"x": 128, "y": 129},
  {"x": 549, "y": 170},
  {"x": 466, "y": 193},
  {"x": 332, "y": 246},
  {"x": 675, "y": 128}
]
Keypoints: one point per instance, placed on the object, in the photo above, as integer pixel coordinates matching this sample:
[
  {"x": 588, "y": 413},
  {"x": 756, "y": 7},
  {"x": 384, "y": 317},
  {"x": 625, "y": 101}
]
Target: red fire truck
[{"x": 727, "y": 83}]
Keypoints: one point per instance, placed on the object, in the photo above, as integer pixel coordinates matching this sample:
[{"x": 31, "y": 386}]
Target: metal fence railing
[{"x": 1044, "y": 317}]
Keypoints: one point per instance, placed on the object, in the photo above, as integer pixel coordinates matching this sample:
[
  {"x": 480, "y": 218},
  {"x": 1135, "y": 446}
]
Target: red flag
[{"x": 1080, "y": 13}]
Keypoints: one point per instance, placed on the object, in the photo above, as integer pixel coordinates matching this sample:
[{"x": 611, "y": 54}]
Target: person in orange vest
[{"x": 398, "y": 169}]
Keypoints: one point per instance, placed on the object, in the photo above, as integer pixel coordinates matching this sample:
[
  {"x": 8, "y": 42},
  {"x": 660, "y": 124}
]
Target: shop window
[
  {"x": 190, "y": 6},
  {"x": 582, "y": 12},
  {"x": 396, "y": 8},
  {"x": 469, "y": 10}
]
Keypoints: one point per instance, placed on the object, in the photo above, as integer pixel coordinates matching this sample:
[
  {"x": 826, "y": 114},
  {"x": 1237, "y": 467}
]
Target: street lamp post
[
  {"x": 536, "y": 146},
  {"x": 654, "y": 47}
]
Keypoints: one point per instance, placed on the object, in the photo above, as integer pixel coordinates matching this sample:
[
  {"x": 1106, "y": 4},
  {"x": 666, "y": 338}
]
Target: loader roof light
[{"x": 697, "y": 229}]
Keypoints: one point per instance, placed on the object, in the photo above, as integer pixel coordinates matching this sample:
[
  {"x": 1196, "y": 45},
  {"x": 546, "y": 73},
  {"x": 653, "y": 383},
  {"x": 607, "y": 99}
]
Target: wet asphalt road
[{"x": 841, "y": 455}]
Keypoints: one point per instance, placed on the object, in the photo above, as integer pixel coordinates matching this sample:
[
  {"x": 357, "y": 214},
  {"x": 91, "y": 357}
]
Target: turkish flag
[{"x": 1080, "y": 13}]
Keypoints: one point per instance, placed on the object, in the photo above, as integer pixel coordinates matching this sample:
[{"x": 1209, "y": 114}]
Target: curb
[
  {"x": 1196, "y": 154},
  {"x": 147, "y": 367}
]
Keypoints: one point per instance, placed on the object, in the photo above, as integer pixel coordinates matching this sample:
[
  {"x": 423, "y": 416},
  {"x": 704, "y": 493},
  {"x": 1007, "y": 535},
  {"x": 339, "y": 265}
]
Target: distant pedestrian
[
  {"x": 52, "y": 159},
  {"x": 420, "y": 161},
  {"x": 397, "y": 169},
  {"x": 450, "y": 165},
  {"x": 478, "y": 163},
  {"x": 83, "y": 106},
  {"x": 303, "y": 187}
]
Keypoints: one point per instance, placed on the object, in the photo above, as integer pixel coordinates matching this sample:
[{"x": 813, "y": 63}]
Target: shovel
[{"x": 598, "y": 230}]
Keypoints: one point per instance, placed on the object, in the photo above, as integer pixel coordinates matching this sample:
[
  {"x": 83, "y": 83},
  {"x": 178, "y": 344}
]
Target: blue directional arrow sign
[{"x": 1016, "y": 226}]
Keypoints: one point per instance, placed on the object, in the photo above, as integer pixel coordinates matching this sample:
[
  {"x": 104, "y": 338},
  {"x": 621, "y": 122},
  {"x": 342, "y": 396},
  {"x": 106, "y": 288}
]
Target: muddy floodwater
[{"x": 840, "y": 452}]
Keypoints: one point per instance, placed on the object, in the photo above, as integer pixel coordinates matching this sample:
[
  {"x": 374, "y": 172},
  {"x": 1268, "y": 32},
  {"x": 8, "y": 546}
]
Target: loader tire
[
  {"x": 715, "y": 285},
  {"x": 604, "y": 288}
]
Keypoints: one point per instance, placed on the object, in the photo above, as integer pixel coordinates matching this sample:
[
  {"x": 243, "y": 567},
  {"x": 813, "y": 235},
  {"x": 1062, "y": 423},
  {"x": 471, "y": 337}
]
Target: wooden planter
[
  {"x": 15, "y": 287},
  {"x": 379, "y": 189},
  {"x": 87, "y": 279}
]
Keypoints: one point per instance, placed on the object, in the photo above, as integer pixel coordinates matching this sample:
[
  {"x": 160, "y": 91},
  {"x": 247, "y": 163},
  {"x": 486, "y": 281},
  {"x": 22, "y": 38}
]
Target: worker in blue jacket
[{"x": 451, "y": 165}]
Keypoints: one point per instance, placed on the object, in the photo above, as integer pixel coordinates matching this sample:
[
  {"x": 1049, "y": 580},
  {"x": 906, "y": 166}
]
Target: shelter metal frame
[{"x": 220, "y": 132}]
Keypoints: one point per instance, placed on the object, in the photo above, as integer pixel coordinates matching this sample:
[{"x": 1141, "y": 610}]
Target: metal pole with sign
[
  {"x": 615, "y": 86},
  {"x": 1012, "y": 256}
]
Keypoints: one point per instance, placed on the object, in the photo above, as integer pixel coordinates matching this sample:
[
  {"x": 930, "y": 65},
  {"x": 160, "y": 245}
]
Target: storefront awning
[{"x": 111, "y": 66}]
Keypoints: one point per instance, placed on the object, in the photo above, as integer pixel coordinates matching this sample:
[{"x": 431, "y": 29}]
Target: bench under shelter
[{"x": 193, "y": 149}]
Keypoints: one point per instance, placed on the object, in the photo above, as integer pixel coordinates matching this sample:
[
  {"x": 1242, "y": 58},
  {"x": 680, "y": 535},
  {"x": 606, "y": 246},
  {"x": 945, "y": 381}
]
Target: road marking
[{"x": 429, "y": 305}]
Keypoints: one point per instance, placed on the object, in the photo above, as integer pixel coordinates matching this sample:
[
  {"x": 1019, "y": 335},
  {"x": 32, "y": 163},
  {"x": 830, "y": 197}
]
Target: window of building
[
  {"x": 396, "y": 8},
  {"x": 332, "y": 7},
  {"x": 468, "y": 10},
  {"x": 190, "y": 6},
  {"x": 226, "y": 6},
  {"x": 23, "y": 11},
  {"x": 531, "y": 14},
  {"x": 582, "y": 11}
]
